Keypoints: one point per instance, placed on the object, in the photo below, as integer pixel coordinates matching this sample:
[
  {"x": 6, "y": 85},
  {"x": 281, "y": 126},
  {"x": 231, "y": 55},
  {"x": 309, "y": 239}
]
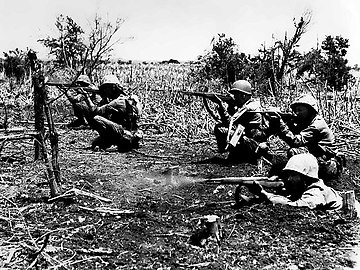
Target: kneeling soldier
[{"x": 117, "y": 120}]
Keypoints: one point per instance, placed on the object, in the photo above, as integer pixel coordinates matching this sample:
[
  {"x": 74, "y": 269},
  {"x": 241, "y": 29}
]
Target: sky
[{"x": 183, "y": 29}]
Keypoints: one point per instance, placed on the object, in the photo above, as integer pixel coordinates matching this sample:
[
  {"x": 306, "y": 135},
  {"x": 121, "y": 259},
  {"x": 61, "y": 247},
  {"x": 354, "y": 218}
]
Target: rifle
[
  {"x": 72, "y": 86},
  {"x": 286, "y": 117},
  {"x": 244, "y": 181},
  {"x": 223, "y": 97}
]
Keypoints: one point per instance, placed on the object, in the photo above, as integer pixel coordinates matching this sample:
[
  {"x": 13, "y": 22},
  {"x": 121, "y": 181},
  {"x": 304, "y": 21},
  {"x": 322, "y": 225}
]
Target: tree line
[
  {"x": 270, "y": 70},
  {"x": 273, "y": 67}
]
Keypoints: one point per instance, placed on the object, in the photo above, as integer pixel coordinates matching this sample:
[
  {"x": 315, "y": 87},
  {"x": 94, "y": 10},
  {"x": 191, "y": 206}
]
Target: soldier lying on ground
[
  {"x": 78, "y": 102},
  {"x": 117, "y": 121},
  {"x": 242, "y": 111},
  {"x": 307, "y": 133},
  {"x": 303, "y": 187}
]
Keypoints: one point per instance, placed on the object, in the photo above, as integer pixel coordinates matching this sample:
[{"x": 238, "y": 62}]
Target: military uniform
[
  {"x": 251, "y": 120},
  {"x": 303, "y": 187},
  {"x": 78, "y": 102},
  {"x": 117, "y": 121},
  {"x": 316, "y": 196},
  {"x": 311, "y": 135}
]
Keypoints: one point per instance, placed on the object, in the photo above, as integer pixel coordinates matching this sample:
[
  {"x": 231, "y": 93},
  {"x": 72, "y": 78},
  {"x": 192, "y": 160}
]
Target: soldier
[
  {"x": 117, "y": 120},
  {"x": 308, "y": 133},
  {"x": 303, "y": 187},
  {"x": 242, "y": 113},
  {"x": 78, "y": 102}
]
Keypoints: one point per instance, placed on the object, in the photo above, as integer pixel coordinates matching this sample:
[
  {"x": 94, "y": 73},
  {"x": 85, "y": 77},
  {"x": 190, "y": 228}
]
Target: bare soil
[{"x": 156, "y": 203}]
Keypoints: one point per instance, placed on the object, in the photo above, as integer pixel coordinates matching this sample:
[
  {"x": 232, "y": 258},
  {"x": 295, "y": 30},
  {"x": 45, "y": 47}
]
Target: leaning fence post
[
  {"x": 40, "y": 108},
  {"x": 39, "y": 94}
]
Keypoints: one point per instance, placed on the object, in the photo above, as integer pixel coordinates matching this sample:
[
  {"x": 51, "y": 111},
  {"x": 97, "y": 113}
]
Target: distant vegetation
[{"x": 278, "y": 73}]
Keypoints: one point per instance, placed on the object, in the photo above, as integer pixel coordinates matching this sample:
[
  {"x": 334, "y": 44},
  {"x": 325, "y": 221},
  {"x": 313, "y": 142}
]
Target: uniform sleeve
[
  {"x": 305, "y": 137},
  {"x": 310, "y": 199},
  {"x": 277, "y": 199},
  {"x": 75, "y": 98},
  {"x": 251, "y": 118},
  {"x": 225, "y": 115},
  {"x": 316, "y": 197},
  {"x": 116, "y": 105}
]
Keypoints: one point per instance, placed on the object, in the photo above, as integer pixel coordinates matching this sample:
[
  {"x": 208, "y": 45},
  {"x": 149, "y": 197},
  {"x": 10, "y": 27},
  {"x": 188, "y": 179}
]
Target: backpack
[{"x": 133, "y": 111}]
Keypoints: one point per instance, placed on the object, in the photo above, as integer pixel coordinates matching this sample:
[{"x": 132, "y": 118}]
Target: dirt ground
[{"x": 155, "y": 202}]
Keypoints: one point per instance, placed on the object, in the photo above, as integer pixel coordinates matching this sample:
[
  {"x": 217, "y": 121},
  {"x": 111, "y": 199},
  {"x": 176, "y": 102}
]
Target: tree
[
  {"x": 224, "y": 62},
  {"x": 266, "y": 70},
  {"x": 334, "y": 67},
  {"x": 328, "y": 64},
  {"x": 272, "y": 65},
  {"x": 310, "y": 64},
  {"x": 69, "y": 46},
  {"x": 16, "y": 64},
  {"x": 101, "y": 42},
  {"x": 75, "y": 50}
]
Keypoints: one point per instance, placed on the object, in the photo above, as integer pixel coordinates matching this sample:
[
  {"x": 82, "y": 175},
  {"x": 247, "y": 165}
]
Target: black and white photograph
[{"x": 180, "y": 134}]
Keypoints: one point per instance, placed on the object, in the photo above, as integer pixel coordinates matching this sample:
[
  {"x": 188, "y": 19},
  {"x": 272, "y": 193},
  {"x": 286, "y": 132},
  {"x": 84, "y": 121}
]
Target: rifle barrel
[
  {"x": 287, "y": 117},
  {"x": 71, "y": 86},
  {"x": 244, "y": 180},
  {"x": 270, "y": 111},
  {"x": 223, "y": 97}
]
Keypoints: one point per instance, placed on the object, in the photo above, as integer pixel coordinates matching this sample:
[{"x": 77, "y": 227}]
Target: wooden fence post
[
  {"x": 54, "y": 143},
  {"x": 39, "y": 94},
  {"x": 349, "y": 202},
  {"x": 41, "y": 108}
]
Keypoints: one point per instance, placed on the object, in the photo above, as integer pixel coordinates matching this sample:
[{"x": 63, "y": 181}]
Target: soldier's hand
[
  {"x": 274, "y": 116},
  {"x": 255, "y": 188},
  {"x": 275, "y": 120},
  {"x": 263, "y": 147},
  {"x": 215, "y": 99},
  {"x": 82, "y": 91}
]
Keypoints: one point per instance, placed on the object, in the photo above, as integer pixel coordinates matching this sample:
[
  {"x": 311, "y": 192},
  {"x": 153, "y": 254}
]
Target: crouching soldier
[
  {"x": 303, "y": 187},
  {"x": 308, "y": 133},
  {"x": 78, "y": 102},
  {"x": 240, "y": 129},
  {"x": 116, "y": 121}
]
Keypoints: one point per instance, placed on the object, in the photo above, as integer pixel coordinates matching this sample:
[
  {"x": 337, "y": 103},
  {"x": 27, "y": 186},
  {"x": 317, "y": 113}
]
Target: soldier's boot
[
  {"x": 99, "y": 143},
  {"x": 77, "y": 123}
]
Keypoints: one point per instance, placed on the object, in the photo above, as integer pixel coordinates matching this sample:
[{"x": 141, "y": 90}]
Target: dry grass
[{"x": 167, "y": 110}]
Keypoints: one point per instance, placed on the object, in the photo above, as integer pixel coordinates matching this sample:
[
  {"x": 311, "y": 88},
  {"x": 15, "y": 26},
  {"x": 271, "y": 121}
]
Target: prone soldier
[{"x": 303, "y": 187}]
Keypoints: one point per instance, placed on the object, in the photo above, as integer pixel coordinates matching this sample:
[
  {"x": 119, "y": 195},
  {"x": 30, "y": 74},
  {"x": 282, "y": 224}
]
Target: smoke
[{"x": 172, "y": 177}]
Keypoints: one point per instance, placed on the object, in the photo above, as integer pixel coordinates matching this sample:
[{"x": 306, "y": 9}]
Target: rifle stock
[
  {"x": 245, "y": 180},
  {"x": 285, "y": 116},
  {"x": 223, "y": 97}
]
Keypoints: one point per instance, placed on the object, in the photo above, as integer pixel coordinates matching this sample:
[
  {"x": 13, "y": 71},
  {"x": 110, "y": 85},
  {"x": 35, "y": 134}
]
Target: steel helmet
[
  {"x": 115, "y": 88},
  {"x": 110, "y": 79},
  {"x": 307, "y": 100},
  {"x": 83, "y": 80},
  {"x": 242, "y": 86},
  {"x": 305, "y": 164}
]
